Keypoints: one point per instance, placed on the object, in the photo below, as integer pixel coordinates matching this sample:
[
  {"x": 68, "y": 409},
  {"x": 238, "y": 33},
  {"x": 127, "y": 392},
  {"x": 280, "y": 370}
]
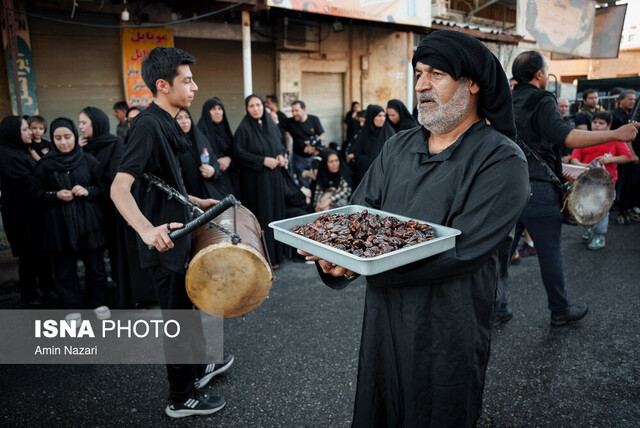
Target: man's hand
[
  {"x": 204, "y": 204},
  {"x": 307, "y": 148},
  {"x": 270, "y": 163},
  {"x": 327, "y": 267},
  {"x": 159, "y": 236},
  {"x": 627, "y": 132},
  {"x": 224, "y": 163},
  {"x": 78, "y": 190},
  {"x": 207, "y": 171},
  {"x": 64, "y": 195}
]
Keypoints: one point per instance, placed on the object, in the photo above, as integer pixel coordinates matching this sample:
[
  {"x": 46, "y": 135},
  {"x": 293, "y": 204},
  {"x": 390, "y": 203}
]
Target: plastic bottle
[{"x": 204, "y": 157}]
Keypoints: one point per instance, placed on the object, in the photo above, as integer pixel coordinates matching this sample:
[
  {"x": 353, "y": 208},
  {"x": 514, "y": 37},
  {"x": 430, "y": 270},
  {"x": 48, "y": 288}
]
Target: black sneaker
[
  {"x": 212, "y": 370},
  {"x": 573, "y": 313},
  {"x": 503, "y": 317},
  {"x": 198, "y": 404}
]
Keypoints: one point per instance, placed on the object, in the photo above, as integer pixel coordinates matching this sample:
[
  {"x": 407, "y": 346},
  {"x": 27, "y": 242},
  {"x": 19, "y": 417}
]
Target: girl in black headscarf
[
  {"x": 23, "y": 223},
  {"x": 66, "y": 184},
  {"x": 333, "y": 183},
  {"x": 369, "y": 142},
  {"x": 199, "y": 164},
  {"x": 215, "y": 126},
  {"x": 399, "y": 116},
  {"x": 260, "y": 155}
]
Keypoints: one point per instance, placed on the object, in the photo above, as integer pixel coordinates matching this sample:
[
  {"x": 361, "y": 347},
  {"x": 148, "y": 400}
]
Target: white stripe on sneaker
[
  {"x": 194, "y": 404},
  {"x": 188, "y": 402}
]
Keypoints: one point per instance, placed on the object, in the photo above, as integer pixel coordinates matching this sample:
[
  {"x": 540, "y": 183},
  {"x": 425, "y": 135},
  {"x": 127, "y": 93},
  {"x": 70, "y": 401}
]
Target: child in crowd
[
  {"x": 608, "y": 155},
  {"x": 39, "y": 146}
]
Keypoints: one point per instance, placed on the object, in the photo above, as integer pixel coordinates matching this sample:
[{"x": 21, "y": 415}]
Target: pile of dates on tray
[{"x": 365, "y": 235}]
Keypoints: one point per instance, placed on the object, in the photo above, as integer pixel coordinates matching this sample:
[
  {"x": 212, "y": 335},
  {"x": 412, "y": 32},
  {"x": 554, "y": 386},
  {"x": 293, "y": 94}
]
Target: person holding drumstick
[{"x": 153, "y": 144}]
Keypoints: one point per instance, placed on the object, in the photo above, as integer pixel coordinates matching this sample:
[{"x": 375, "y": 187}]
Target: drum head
[
  {"x": 228, "y": 280},
  {"x": 591, "y": 196}
]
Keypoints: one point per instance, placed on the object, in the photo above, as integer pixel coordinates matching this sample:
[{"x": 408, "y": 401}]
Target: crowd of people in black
[{"x": 55, "y": 194}]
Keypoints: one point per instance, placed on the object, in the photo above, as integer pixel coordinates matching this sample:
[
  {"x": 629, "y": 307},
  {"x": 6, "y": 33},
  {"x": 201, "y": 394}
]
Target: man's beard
[{"x": 447, "y": 116}]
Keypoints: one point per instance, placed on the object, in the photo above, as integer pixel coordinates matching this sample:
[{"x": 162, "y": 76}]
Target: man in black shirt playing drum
[
  {"x": 153, "y": 142},
  {"x": 301, "y": 128}
]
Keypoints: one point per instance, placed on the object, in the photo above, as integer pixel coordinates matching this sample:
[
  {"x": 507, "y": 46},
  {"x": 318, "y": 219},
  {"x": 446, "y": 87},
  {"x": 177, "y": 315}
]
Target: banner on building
[
  {"x": 408, "y": 12},
  {"x": 26, "y": 76},
  {"x": 136, "y": 45},
  {"x": 564, "y": 27}
]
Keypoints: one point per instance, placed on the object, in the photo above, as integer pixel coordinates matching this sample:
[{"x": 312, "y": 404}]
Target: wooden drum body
[{"x": 226, "y": 279}]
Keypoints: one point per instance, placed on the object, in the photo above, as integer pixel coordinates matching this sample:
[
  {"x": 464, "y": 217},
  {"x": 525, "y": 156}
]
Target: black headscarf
[
  {"x": 56, "y": 160},
  {"x": 219, "y": 134},
  {"x": 101, "y": 133},
  {"x": 406, "y": 119},
  {"x": 266, "y": 132},
  {"x": 374, "y": 136},
  {"x": 10, "y": 134},
  {"x": 326, "y": 179},
  {"x": 460, "y": 55}
]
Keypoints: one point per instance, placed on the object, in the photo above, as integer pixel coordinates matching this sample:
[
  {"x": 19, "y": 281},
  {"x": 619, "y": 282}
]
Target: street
[{"x": 297, "y": 356}]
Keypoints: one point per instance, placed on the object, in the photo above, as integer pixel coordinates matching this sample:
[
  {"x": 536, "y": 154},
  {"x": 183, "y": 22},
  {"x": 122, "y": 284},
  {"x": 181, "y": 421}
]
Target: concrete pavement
[{"x": 296, "y": 357}]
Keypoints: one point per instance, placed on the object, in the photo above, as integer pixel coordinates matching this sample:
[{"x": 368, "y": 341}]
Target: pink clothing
[{"x": 612, "y": 148}]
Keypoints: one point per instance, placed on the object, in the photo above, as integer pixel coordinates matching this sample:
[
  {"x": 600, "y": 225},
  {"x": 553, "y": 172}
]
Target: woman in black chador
[
  {"x": 369, "y": 141},
  {"x": 67, "y": 185},
  {"x": 107, "y": 149},
  {"x": 333, "y": 183},
  {"x": 399, "y": 116},
  {"x": 260, "y": 155},
  {"x": 215, "y": 126},
  {"x": 199, "y": 164},
  {"x": 22, "y": 222}
]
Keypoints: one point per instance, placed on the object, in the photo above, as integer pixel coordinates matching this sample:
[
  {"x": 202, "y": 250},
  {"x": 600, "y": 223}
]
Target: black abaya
[
  {"x": 368, "y": 143},
  {"x": 263, "y": 188},
  {"x": 221, "y": 139}
]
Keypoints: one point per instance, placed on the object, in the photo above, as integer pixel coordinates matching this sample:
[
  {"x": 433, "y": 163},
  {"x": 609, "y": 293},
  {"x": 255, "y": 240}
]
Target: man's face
[
  {"x": 592, "y": 100},
  {"x": 628, "y": 102},
  {"x": 442, "y": 101},
  {"x": 269, "y": 103},
  {"x": 563, "y": 107},
  {"x": 600, "y": 125},
  {"x": 545, "y": 73},
  {"x": 512, "y": 84},
  {"x": 183, "y": 88},
  {"x": 132, "y": 113},
  {"x": 121, "y": 115},
  {"x": 299, "y": 114},
  {"x": 255, "y": 108}
]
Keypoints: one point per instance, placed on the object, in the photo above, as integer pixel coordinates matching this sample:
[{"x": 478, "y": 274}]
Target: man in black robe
[
  {"x": 153, "y": 143},
  {"x": 427, "y": 325}
]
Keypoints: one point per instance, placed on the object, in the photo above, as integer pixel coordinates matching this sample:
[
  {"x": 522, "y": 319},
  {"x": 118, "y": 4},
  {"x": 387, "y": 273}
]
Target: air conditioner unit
[
  {"x": 440, "y": 8},
  {"x": 299, "y": 35}
]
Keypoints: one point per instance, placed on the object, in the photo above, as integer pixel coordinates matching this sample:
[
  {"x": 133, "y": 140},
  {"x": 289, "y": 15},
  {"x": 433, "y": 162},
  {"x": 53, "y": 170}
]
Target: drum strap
[{"x": 562, "y": 187}]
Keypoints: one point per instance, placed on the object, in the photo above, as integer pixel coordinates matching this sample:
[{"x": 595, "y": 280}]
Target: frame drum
[
  {"x": 591, "y": 196},
  {"x": 226, "y": 279}
]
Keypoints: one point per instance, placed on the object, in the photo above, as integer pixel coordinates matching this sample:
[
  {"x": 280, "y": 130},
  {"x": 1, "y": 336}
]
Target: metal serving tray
[{"x": 445, "y": 239}]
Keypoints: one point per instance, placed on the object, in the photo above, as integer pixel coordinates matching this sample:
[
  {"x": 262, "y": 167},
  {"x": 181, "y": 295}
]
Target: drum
[
  {"x": 226, "y": 279},
  {"x": 591, "y": 196}
]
